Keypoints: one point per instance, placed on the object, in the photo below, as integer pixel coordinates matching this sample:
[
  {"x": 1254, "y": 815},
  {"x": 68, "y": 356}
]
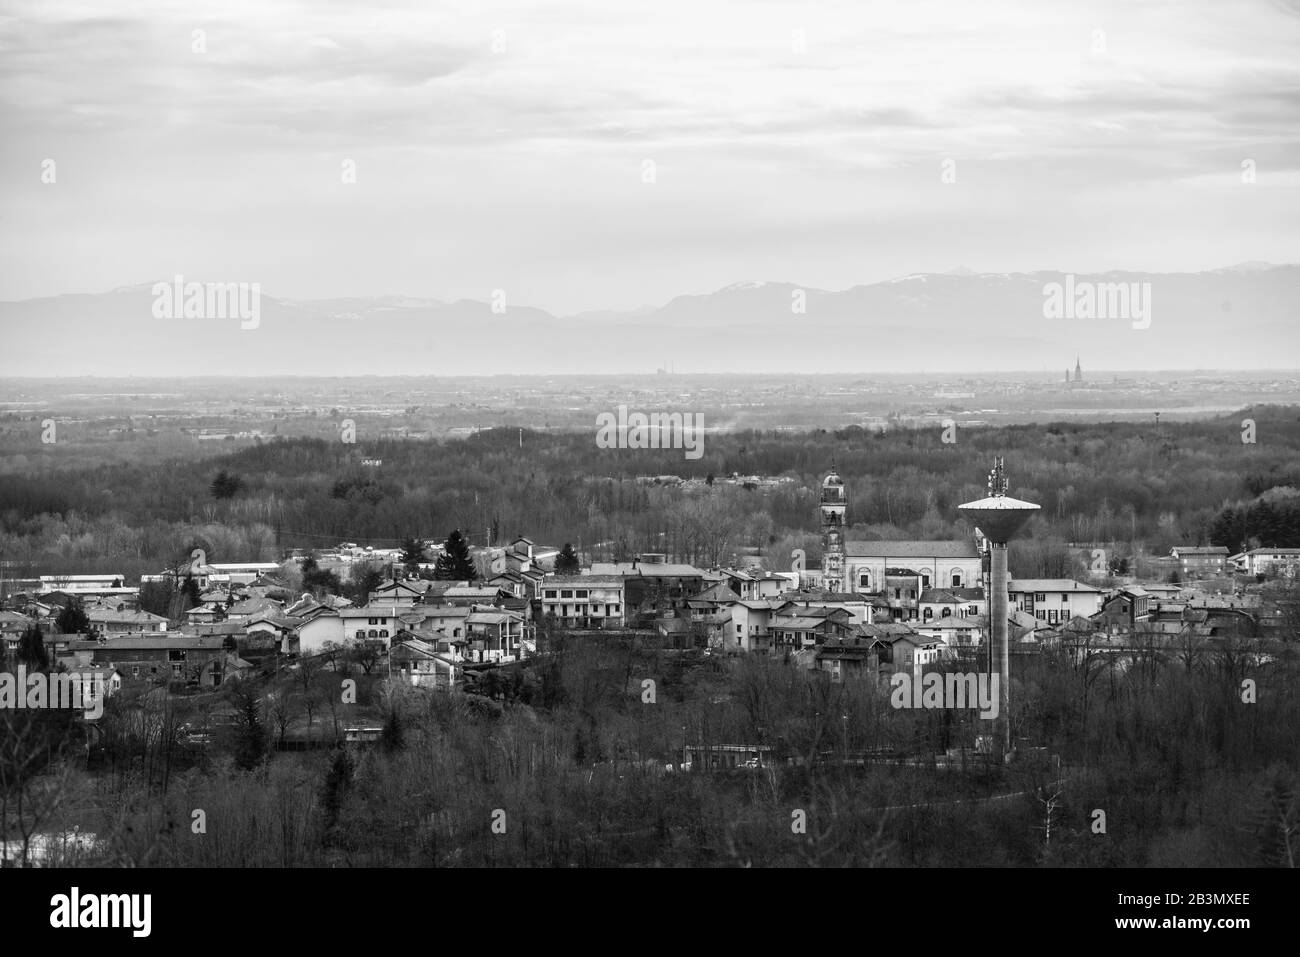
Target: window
[
  {"x": 1040, "y": 596},
  {"x": 373, "y": 633},
  {"x": 373, "y": 621},
  {"x": 740, "y": 630},
  {"x": 383, "y": 632},
  {"x": 956, "y": 579},
  {"x": 361, "y": 633},
  {"x": 567, "y": 593},
  {"x": 864, "y": 580},
  {"x": 582, "y": 593},
  {"x": 551, "y": 593}
]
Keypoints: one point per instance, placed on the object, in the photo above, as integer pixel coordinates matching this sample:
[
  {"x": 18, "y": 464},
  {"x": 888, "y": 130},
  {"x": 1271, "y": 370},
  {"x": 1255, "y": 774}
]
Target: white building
[
  {"x": 1265, "y": 561},
  {"x": 586, "y": 601},
  {"x": 1054, "y": 600}
]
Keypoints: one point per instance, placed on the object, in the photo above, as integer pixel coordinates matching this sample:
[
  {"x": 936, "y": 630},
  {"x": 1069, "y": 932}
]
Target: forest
[
  {"x": 567, "y": 761},
  {"x": 1139, "y": 488}
]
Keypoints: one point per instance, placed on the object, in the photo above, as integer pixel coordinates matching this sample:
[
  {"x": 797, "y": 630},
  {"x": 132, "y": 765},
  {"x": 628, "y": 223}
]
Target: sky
[{"x": 590, "y": 155}]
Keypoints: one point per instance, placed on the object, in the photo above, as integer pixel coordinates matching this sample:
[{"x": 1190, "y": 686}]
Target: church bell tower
[{"x": 833, "y": 512}]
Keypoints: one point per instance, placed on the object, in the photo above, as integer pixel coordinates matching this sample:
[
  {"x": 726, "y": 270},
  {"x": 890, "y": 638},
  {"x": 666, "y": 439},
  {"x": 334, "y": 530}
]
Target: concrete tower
[
  {"x": 833, "y": 511},
  {"x": 999, "y": 518}
]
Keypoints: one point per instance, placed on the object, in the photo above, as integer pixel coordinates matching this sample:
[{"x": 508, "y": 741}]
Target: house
[
  {"x": 420, "y": 664},
  {"x": 652, "y": 584},
  {"x": 473, "y": 594},
  {"x": 308, "y": 605},
  {"x": 903, "y": 649},
  {"x": 164, "y": 657},
  {"x": 960, "y": 636},
  {"x": 1268, "y": 561},
  {"x": 751, "y": 623},
  {"x": 109, "y": 622},
  {"x": 270, "y": 630},
  {"x": 106, "y": 676},
  {"x": 857, "y": 605},
  {"x": 377, "y": 623},
  {"x": 1200, "y": 561},
  {"x": 936, "y": 603},
  {"x": 755, "y": 584},
  {"x": 397, "y": 594},
  {"x": 444, "y": 625},
  {"x": 1054, "y": 600},
  {"x": 494, "y": 636},
  {"x": 204, "y": 614},
  {"x": 797, "y": 627},
  {"x": 523, "y": 584},
  {"x": 586, "y": 601},
  {"x": 1124, "y": 609},
  {"x": 12, "y": 626},
  {"x": 857, "y": 656},
  {"x": 254, "y": 606},
  {"x": 340, "y": 625}
]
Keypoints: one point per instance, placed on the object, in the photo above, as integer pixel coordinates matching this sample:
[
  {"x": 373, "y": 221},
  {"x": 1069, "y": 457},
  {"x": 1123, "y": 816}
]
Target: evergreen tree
[
  {"x": 566, "y": 563},
  {"x": 394, "y": 735},
  {"x": 31, "y": 649},
  {"x": 364, "y": 580},
  {"x": 250, "y": 736},
  {"x": 454, "y": 563},
  {"x": 412, "y": 555},
  {"x": 337, "y": 781},
  {"x": 190, "y": 593},
  {"x": 73, "y": 619},
  {"x": 317, "y": 580},
  {"x": 226, "y": 485}
]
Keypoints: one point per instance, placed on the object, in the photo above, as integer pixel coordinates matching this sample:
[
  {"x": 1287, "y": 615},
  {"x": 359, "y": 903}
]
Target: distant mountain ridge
[{"x": 1243, "y": 316}]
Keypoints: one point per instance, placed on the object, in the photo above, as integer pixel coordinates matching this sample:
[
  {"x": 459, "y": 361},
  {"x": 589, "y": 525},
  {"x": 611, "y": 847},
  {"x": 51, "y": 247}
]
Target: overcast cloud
[{"x": 522, "y": 168}]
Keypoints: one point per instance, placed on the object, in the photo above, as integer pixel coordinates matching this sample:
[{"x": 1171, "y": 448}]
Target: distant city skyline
[{"x": 585, "y": 160}]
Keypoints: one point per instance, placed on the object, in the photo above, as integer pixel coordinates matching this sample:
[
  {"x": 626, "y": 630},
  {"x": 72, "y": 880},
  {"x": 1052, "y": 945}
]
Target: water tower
[{"x": 999, "y": 518}]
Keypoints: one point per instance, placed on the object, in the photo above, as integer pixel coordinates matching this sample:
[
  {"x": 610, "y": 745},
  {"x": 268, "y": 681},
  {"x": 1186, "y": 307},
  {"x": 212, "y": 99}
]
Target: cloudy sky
[{"x": 508, "y": 145}]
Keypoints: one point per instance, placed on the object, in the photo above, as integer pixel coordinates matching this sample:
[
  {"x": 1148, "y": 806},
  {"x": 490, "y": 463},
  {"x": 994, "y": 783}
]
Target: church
[{"x": 898, "y": 571}]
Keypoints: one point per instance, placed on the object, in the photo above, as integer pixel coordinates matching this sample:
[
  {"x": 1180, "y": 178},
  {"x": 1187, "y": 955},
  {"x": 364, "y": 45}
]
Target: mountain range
[{"x": 1239, "y": 317}]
